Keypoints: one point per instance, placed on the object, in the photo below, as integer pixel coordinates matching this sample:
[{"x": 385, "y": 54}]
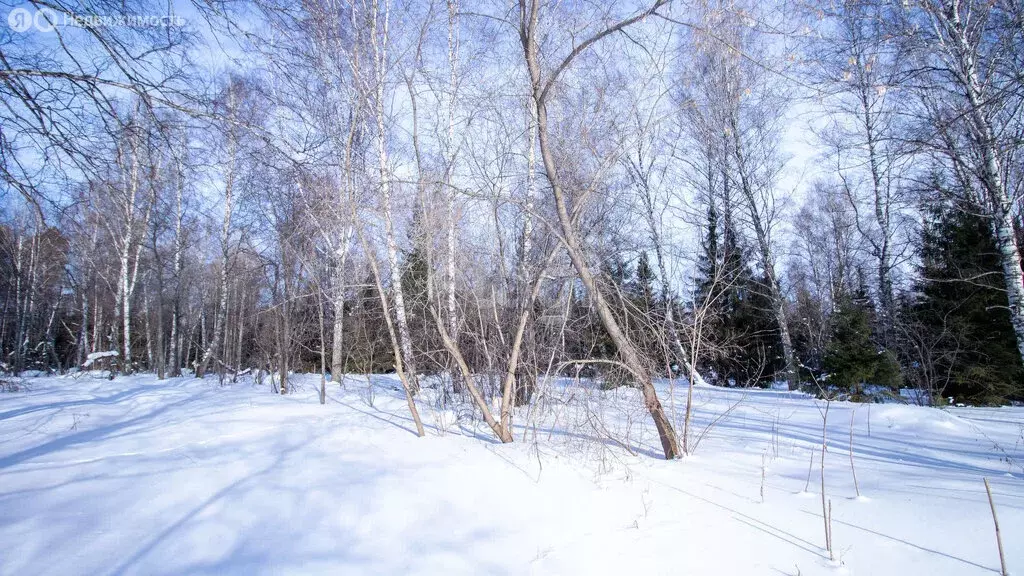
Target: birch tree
[
  {"x": 216, "y": 344},
  {"x": 177, "y": 263},
  {"x": 128, "y": 225},
  {"x": 861, "y": 74},
  {"x": 542, "y": 84},
  {"x": 969, "y": 57},
  {"x": 380, "y": 34},
  {"x": 745, "y": 111}
]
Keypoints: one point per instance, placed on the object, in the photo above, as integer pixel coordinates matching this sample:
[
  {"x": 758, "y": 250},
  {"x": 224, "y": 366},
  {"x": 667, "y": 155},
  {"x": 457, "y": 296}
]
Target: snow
[
  {"x": 915, "y": 396},
  {"x": 94, "y": 356},
  {"x": 140, "y": 476}
]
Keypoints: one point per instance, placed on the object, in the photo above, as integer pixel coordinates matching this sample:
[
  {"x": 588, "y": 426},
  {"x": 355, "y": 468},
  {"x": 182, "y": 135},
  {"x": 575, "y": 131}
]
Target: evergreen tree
[
  {"x": 741, "y": 344},
  {"x": 961, "y": 301},
  {"x": 644, "y": 284},
  {"x": 415, "y": 274},
  {"x": 650, "y": 322},
  {"x": 759, "y": 348},
  {"x": 852, "y": 358},
  {"x": 585, "y": 336},
  {"x": 368, "y": 348},
  {"x": 809, "y": 325},
  {"x": 709, "y": 307},
  {"x": 636, "y": 313},
  {"x": 414, "y": 280},
  {"x": 708, "y": 266}
]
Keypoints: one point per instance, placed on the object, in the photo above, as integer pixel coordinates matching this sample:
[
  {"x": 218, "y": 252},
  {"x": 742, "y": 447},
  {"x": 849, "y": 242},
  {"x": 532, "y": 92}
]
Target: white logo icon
[
  {"x": 19, "y": 19},
  {"x": 45, "y": 19}
]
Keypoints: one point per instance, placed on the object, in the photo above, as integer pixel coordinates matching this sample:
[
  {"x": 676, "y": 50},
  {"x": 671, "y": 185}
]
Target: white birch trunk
[
  {"x": 214, "y": 347},
  {"x": 175, "y": 345},
  {"x": 337, "y": 351},
  {"x": 453, "y": 56},
  {"x": 379, "y": 44},
  {"x": 960, "y": 54},
  {"x": 767, "y": 259}
]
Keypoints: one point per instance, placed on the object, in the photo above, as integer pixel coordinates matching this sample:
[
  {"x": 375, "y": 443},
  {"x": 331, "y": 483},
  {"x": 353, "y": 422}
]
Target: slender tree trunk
[
  {"x": 767, "y": 260},
  {"x": 282, "y": 327},
  {"x": 337, "y": 348},
  {"x": 666, "y": 292},
  {"x": 148, "y": 323},
  {"x": 216, "y": 345},
  {"x": 525, "y": 305},
  {"x": 121, "y": 328},
  {"x": 627, "y": 351},
  {"x": 323, "y": 342},
  {"x": 503, "y": 432},
  {"x": 19, "y": 331},
  {"x": 3, "y": 323},
  {"x": 881, "y": 207},
  {"x": 213, "y": 348},
  {"x": 83, "y": 330},
  {"x": 399, "y": 366},
  {"x": 175, "y": 344},
  {"x": 126, "y": 248},
  {"x": 286, "y": 317},
  {"x": 97, "y": 320},
  {"x": 174, "y": 354},
  {"x": 694, "y": 376},
  {"x": 240, "y": 336},
  {"x": 160, "y": 350},
  {"x": 131, "y": 244},
  {"x": 282, "y": 358},
  {"x": 452, "y": 220},
  {"x": 379, "y": 40},
  {"x": 48, "y": 333}
]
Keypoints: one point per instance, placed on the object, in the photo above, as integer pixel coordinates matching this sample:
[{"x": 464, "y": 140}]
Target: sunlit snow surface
[{"x": 140, "y": 476}]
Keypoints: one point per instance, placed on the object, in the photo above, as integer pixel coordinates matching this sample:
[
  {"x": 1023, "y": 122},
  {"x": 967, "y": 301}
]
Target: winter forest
[
  {"x": 501, "y": 192},
  {"x": 476, "y": 198}
]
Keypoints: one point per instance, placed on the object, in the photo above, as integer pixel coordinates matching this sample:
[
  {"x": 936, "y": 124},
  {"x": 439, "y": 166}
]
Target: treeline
[
  {"x": 501, "y": 192},
  {"x": 952, "y": 337}
]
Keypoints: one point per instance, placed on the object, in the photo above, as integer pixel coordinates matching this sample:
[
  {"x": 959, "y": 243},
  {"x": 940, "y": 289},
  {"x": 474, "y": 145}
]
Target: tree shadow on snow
[
  {"x": 103, "y": 432},
  {"x": 908, "y": 543}
]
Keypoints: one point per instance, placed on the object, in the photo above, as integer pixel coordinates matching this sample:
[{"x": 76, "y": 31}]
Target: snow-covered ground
[{"x": 140, "y": 476}]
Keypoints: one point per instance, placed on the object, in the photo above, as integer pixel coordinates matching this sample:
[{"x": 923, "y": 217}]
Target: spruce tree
[
  {"x": 759, "y": 348},
  {"x": 645, "y": 283},
  {"x": 709, "y": 264},
  {"x": 852, "y": 358},
  {"x": 962, "y": 303},
  {"x": 633, "y": 290},
  {"x": 741, "y": 344},
  {"x": 415, "y": 275},
  {"x": 708, "y": 305}
]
